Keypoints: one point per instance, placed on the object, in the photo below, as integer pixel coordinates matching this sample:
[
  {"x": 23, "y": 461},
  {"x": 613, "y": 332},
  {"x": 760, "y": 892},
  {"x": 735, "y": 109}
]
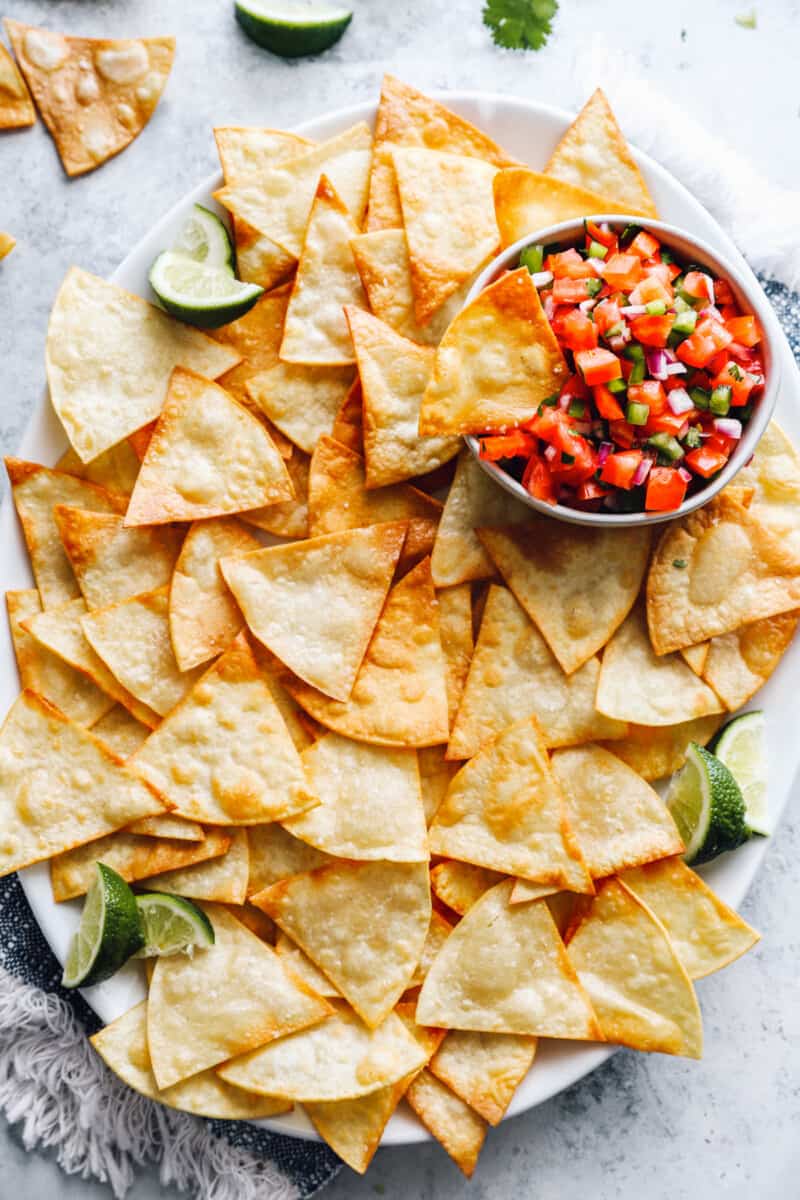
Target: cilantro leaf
[{"x": 520, "y": 24}]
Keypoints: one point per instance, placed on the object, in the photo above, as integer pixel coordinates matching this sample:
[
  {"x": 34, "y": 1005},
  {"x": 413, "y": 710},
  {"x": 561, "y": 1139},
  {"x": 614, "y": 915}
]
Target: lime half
[
  {"x": 295, "y": 27},
  {"x": 201, "y": 295},
  {"x": 205, "y": 239},
  {"x": 707, "y": 805},
  {"x": 110, "y": 931},
  {"x": 741, "y": 746},
  {"x": 172, "y": 925}
]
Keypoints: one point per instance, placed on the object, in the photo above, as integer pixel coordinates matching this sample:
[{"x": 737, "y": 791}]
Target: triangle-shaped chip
[
  {"x": 526, "y": 201},
  {"x": 363, "y": 924},
  {"x": 504, "y": 970},
  {"x": 16, "y": 106},
  {"x": 314, "y": 603},
  {"x": 222, "y": 878},
  {"x": 484, "y": 1069}
]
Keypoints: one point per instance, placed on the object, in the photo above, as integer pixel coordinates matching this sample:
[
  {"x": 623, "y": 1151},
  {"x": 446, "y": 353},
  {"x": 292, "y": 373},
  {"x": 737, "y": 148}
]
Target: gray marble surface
[{"x": 640, "y": 1128}]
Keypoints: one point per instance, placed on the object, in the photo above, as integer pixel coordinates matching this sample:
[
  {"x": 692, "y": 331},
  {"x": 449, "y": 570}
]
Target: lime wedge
[
  {"x": 707, "y": 805},
  {"x": 293, "y": 28},
  {"x": 172, "y": 925},
  {"x": 201, "y": 295},
  {"x": 205, "y": 239},
  {"x": 741, "y": 746},
  {"x": 110, "y": 931}
]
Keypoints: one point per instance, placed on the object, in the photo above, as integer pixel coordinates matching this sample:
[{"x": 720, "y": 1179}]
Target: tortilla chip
[
  {"x": 484, "y": 1069},
  {"x": 110, "y": 355},
  {"x": 301, "y": 401},
  {"x": 299, "y": 964},
  {"x": 222, "y": 878},
  {"x": 16, "y": 106},
  {"x": 695, "y": 656},
  {"x": 338, "y": 1060},
  {"x": 246, "y": 151},
  {"x": 526, "y": 201},
  {"x": 123, "y": 734},
  {"x": 123, "y": 1048},
  {"x": 774, "y": 475},
  {"x": 504, "y": 970},
  {"x": 279, "y": 201},
  {"x": 36, "y": 490},
  {"x": 636, "y": 685},
  {"x": 131, "y": 856},
  {"x": 289, "y": 519},
  {"x": 348, "y": 425},
  {"x": 616, "y": 818},
  {"x": 738, "y": 571},
  {"x": 651, "y": 1008},
  {"x": 593, "y": 154},
  {"x": 525, "y": 891},
  {"x": 455, "y": 630},
  {"x": 256, "y": 921},
  {"x": 400, "y": 695},
  {"x": 95, "y": 95},
  {"x": 439, "y": 931},
  {"x": 139, "y": 440},
  {"x": 255, "y": 338},
  {"x": 315, "y": 603},
  {"x": 495, "y": 364},
  {"x": 456, "y": 1126},
  {"x": 59, "y": 785},
  {"x": 513, "y": 675},
  {"x": 204, "y": 618},
  {"x": 435, "y": 774},
  {"x": 350, "y": 778},
  {"x": 275, "y": 854},
  {"x": 132, "y": 639},
  {"x": 115, "y": 469},
  {"x": 655, "y": 753},
  {"x": 223, "y": 1001},
  {"x": 165, "y": 826},
  {"x": 741, "y": 662},
  {"x": 44, "y": 672},
  {"x": 363, "y": 924},
  {"x": 459, "y": 885},
  {"x": 577, "y": 584},
  {"x": 223, "y": 755},
  {"x": 303, "y": 729},
  {"x": 504, "y": 810}
]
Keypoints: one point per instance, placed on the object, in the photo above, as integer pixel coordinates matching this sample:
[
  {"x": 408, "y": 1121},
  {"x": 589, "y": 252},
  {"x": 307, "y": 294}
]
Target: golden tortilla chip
[
  {"x": 163, "y": 826},
  {"x": 300, "y": 964},
  {"x": 42, "y": 671},
  {"x": 223, "y": 1001},
  {"x": 303, "y": 729},
  {"x": 16, "y": 106},
  {"x": 222, "y": 878},
  {"x": 513, "y": 675},
  {"x": 36, "y": 491},
  {"x": 95, "y": 95},
  {"x": 275, "y": 854},
  {"x": 338, "y": 1060},
  {"x": 139, "y": 440},
  {"x": 256, "y": 921},
  {"x": 593, "y": 154},
  {"x": 123, "y": 1048},
  {"x": 350, "y": 778},
  {"x": 115, "y": 469},
  {"x": 7, "y": 244},
  {"x": 484, "y": 1069},
  {"x": 289, "y": 518},
  {"x": 363, "y": 924},
  {"x": 59, "y": 785},
  {"x": 456, "y": 1126},
  {"x": 459, "y": 885},
  {"x": 455, "y": 630},
  {"x": 737, "y": 571},
  {"x": 656, "y": 752},
  {"x": 504, "y": 970},
  {"x": 653, "y": 1007},
  {"x": 439, "y": 931},
  {"x": 110, "y": 355},
  {"x": 525, "y": 891},
  {"x": 504, "y": 810},
  {"x": 741, "y": 662},
  {"x": 315, "y": 603},
  {"x": 435, "y": 774},
  {"x": 204, "y": 618},
  {"x": 695, "y": 656},
  {"x": 495, "y": 364},
  {"x": 348, "y": 425},
  {"x": 526, "y": 201},
  {"x": 124, "y": 734},
  {"x": 400, "y": 695},
  {"x": 256, "y": 339},
  {"x": 447, "y": 202},
  {"x": 394, "y": 373},
  {"x": 301, "y": 401},
  {"x": 246, "y": 151}
]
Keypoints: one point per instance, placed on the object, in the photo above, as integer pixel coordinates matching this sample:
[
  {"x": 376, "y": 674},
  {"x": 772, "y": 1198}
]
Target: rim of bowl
[{"x": 751, "y": 298}]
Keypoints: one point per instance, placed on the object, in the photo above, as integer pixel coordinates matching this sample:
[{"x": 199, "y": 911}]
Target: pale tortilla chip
[
  {"x": 363, "y": 924},
  {"x": 95, "y": 95},
  {"x": 16, "y": 106},
  {"x": 695, "y": 656},
  {"x": 337, "y": 1060},
  {"x": 525, "y": 891},
  {"x": 653, "y": 1007},
  {"x": 741, "y": 662},
  {"x": 513, "y": 674},
  {"x": 459, "y": 885},
  {"x": 455, "y": 630},
  {"x": 123, "y": 1048},
  {"x": 59, "y": 785},
  {"x": 36, "y": 490},
  {"x": 223, "y": 1001},
  {"x": 654, "y": 753},
  {"x": 435, "y": 773},
  {"x": 109, "y": 358},
  {"x": 504, "y": 810},
  {"x": 246, "y": 151},
  {"x": 299, "y": 964},
  {"x": 400, "y": 695},
  {"x": 484, "y": 1069},
  {"x": 44, "y": 672},
  {"x": 275, "y": 854},
  {"x": 526, "y": 202},
  {"x": 737, "y": 571},
  {"x": 204, "y": 618},
  {"x": 350, "y": 778},
  {"x": 773, "y": 473},
  {"x": 123, "y": 734},
  {"x": 495, "y": 364},
  {"x": 577, "y": 584},
  {"x": 456, "y": 1126},
  {"x": 303, "y": 729},
  {"x": 132, "y": 639},
  {"x": 593, "y": 154},
  {"x": 258, "y": 258},
  {"x": 394, "y": 373},
  {"x": 637, "y": 685},
  {"x": 223, "y": 755},
  {"x": 447, "y": 201},
  {"x": 315, "y": 603},
  {"x": 165, "y": 826},
  {"x": 301, "y": 401},
  {"x": 439, "y": 931},
  {"x": 222, "y": 878},
  {"x": 504, "y": 970},
  {"x": 115, "y": 469},
  {"x": 289, "y": 518}
]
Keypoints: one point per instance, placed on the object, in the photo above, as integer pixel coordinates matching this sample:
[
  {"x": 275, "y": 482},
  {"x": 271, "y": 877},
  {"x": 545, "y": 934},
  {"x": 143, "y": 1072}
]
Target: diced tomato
[
  {"x": 619, "y": 469},
  {"x": 598, "y": 366},
  {"x": 644, "y": 245},
  {"x": 537, "y": 480},
  {"x": 707, "y": 340},
  {"x": 568, "y": 264},
  {"x": 650, "y": 392},
  {"x": 508, "y": 445},
  {"x": 723, "y": 292},
  {"x": 606, "y": 237},
  {"x": 606, "y": 315},
  {"x": 652, "y": 331},
  {"x": 567, "y": 290},
  {"x": 665, "y": 490},
  {"x": 651, "y": 288},
  {"x": 744, "y": 330},
  {"x": 666, "y": 422},
  {"x": 718, "y": 443},
  {"x": 623, "y": 271},
  {"x": 591, "y": 490},
  {"x": 574, "y": 389},
  {"x": 582, "y": 467},
  {"x": 607, "y": 404},
  {"x": 578, "y": 332},
  {"x": 699, "y": 285},
  {"x": 554, "y": 427},
  {"x": 704, "y": 461},
  {"x": 740, "y": 381},
  {"x": 622, "y": 433}
]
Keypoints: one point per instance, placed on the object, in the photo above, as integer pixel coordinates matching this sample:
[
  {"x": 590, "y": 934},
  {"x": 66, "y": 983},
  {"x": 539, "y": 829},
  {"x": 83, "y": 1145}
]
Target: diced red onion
[
  {"x": 670, "y": 354},
  {"x": 685, "y": 475},
  {"x": 679, "y": 401},
  {"x": 682, "y": 432},
  {"x": 597, "y": 265},
  {"x": 728, "y": 427},
  {"x": 642, "y": 471},
  {"x": 656, "y": 363},
  {"x": 603, "y": 451},
  {"x": 587, "y": 305},
  {"x": 634, "y": 310},
  {"x": 549, "y": 306},
  {"x": 710, "y": 311},
  {"x": 620, "y": 341},
  {"x": 550, "y": 453},
  {"x": 542, "y": 278},
  {"x": 675, "y": 368}
]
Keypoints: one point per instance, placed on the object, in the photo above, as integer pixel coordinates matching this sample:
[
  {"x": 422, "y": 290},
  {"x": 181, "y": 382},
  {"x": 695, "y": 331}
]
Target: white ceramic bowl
[{"x": 750, "y": 298}]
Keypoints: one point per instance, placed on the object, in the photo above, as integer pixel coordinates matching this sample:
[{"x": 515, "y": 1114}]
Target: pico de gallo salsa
[{"x": 665, "y": 370}]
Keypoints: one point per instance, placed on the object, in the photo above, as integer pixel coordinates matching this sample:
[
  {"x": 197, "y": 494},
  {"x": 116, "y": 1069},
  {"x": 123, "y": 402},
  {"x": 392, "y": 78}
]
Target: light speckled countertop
[{"x": 639, "y": 1128}]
